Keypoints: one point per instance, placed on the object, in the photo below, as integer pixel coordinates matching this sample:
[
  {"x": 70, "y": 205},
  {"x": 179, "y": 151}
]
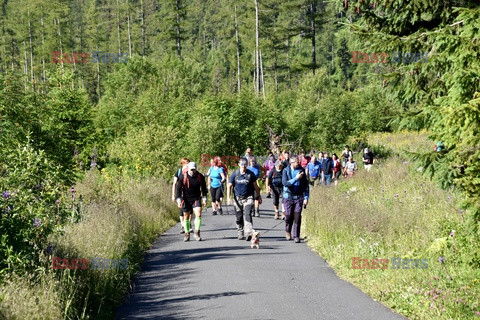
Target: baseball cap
[{"x": 192, "y": 165}]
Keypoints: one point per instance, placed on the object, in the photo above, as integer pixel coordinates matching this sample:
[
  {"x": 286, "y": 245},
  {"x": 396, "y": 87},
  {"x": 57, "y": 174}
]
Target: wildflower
[
  {"x": 37, "y": 222},
  {"x": 460, "y": 211},
  {"x": 38, "y": 187},
  {"x": 396, "y": 195},
  {"x": 405, "y": 162},
  {"x": 441, "y": 260},
  {"x": 5, "y": 194},
  {"x": 477, "y": 313},
  {"x": 49, "y": 249},
  {"x": 452, "y": 233},
  {"x": 72, "y": 189},
  {"x": 436, "y": 277},
  {"x": 8, "y": 208},
  {"x": 57, "y": 202}
]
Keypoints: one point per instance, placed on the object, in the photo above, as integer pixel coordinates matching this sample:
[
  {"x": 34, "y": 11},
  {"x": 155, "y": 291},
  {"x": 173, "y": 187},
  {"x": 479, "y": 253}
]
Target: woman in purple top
[{"x": 269, "y": 164}]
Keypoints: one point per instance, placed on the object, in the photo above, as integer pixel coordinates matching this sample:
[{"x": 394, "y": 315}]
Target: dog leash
[{"x": 273, "y": 227}]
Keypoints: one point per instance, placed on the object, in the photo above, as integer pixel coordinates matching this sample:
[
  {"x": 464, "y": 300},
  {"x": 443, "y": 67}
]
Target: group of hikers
[{"x": 286, "y": 176}]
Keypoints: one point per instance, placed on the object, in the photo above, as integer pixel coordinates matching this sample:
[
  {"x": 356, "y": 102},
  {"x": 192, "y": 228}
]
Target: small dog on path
[{"x": 255, "y": 242}]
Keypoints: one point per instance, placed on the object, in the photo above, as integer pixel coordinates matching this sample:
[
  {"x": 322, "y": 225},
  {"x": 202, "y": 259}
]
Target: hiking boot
[
  {"x": 220, "y": 211},
  {"x": 214, "y": 213},
  {"x": 283, "y": 215},
  {"x": 288, "y": 236},
  {"x": 297, "y": 240},
  {"x": 197, "y": 236},
  {"x": 186, "y": 237},
  {"x": 276, "y": 217},
  {"x": 240, "y": 235},
  {"x": 269, "y": 195}
]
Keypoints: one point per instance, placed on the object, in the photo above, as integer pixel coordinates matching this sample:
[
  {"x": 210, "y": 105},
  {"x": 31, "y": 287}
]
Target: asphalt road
[{"x": 223, "y": 278}]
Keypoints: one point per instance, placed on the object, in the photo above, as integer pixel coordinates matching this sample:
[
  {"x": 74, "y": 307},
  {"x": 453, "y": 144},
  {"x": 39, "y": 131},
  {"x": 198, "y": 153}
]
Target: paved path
[{"x": 222, "y": 278}]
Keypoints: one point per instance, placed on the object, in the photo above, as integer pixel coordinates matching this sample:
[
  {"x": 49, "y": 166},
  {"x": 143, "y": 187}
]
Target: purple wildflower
[
  {"x": 72, "y": 189},
  {"x": 8, "y": 209},
  {"x": 57, "y": 202},
  {"x": 441, "y": 260},
  {"x": 5, "y": 194},
  {"x": 477, "y": 313},
  {"x": 396, "y": 195},
  {"x": 49, "y": 249},
  {"x": 37, "y": 222},
  {"x": 452, "y": 233}
]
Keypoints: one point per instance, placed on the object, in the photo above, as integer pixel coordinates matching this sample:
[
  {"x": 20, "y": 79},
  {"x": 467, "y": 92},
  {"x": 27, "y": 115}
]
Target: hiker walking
[
  {"x": 244, "y": 184},
  {"x": 257, "y": 170},
  {"x": 351, "y": 167},
  {"x": 346, "y": 153},
  {"x": 269, "y": 165},
  {"x": 337, "y": 168},
  {"x": 191, "y": 187},
  {"x": 183, "y": 163},
  {"x": 368, "y": 159},
  {"x": 275, "y": 185},
  {"x": 295, "y": 198},
  {"x": 313, "y": 171},
  {"x": 327, "y": 168},
  {"x": 216, "y": 177}
]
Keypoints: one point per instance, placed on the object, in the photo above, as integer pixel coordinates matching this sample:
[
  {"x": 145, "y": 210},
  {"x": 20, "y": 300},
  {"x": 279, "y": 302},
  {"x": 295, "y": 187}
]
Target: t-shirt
[
  {"x": 275, "y": 178},
  {"x": 243, "y": 183},
  {"x": 314, "y": 169},
  {"x": 351, "y": 166},
  {"x": 337, "y": 165},
  {"x": 193, "y": 187},
  {"x": 215, "y": 176},
  {"x": 369, "y": 157}
]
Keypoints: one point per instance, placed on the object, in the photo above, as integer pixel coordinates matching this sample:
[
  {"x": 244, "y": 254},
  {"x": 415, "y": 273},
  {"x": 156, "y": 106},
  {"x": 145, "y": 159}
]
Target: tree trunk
[
  {"x": 44, "y": 72},
  {"x": 143, "y": 27},
  {"x": 118, "y": 29},
  {"x": 129, "y": 34},
  {"x": 237, "y": 43},
  {"x": 313, "y": 9},
  {"x": 57, "y": 23},
  {"x": 257, "y": 43},
  {"x": 261, "y": 73},
  {"x": 32, "y": 75},
  {"x": 177, "y": 30}
]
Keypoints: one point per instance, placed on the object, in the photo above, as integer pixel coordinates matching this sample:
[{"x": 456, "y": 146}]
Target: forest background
[{"x": 215, "y": 77}]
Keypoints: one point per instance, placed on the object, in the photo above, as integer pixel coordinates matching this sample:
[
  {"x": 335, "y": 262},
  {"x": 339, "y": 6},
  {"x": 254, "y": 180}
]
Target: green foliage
[{"x": 31, "y": 208}]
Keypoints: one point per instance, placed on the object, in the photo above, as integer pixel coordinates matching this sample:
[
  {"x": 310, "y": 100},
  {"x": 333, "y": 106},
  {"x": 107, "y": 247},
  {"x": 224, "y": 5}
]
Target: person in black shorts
[
  {"x": 191, "y": 187},
  {"x": 275, "y": 185},
  {"x": 183, "y": 163}
]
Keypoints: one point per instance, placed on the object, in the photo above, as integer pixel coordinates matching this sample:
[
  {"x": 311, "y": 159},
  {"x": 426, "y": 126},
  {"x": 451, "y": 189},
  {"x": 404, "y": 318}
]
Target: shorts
[
  {"x": 276, "y": 192},
  {"x": 256, "y": 196},
  {"x": 189, "y": 205},
  {"x": 216, "y": 193}
]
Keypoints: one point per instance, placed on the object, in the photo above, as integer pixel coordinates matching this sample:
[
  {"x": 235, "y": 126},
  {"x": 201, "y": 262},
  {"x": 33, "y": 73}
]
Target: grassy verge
[
  {"x": 394, "y": 212},
  {"x": 121, "y": 218}
]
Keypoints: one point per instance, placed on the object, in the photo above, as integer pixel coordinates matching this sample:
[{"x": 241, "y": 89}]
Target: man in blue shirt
[
  {"x": 244, "y": 185},
  {"x": 295, "y": 197},
  {"x": 313, "y": 170}
]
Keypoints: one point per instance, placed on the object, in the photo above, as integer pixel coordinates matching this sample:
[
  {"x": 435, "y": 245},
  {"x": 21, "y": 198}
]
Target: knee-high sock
[
  {"x": 187, "y": 225},
  {"x": 198, "y": 223}
]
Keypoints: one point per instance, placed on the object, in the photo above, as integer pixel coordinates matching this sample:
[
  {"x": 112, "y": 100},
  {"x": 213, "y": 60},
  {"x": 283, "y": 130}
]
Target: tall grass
[
  {"x": 121, "y": 217},
  {"x": 393, "y": 211}
]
